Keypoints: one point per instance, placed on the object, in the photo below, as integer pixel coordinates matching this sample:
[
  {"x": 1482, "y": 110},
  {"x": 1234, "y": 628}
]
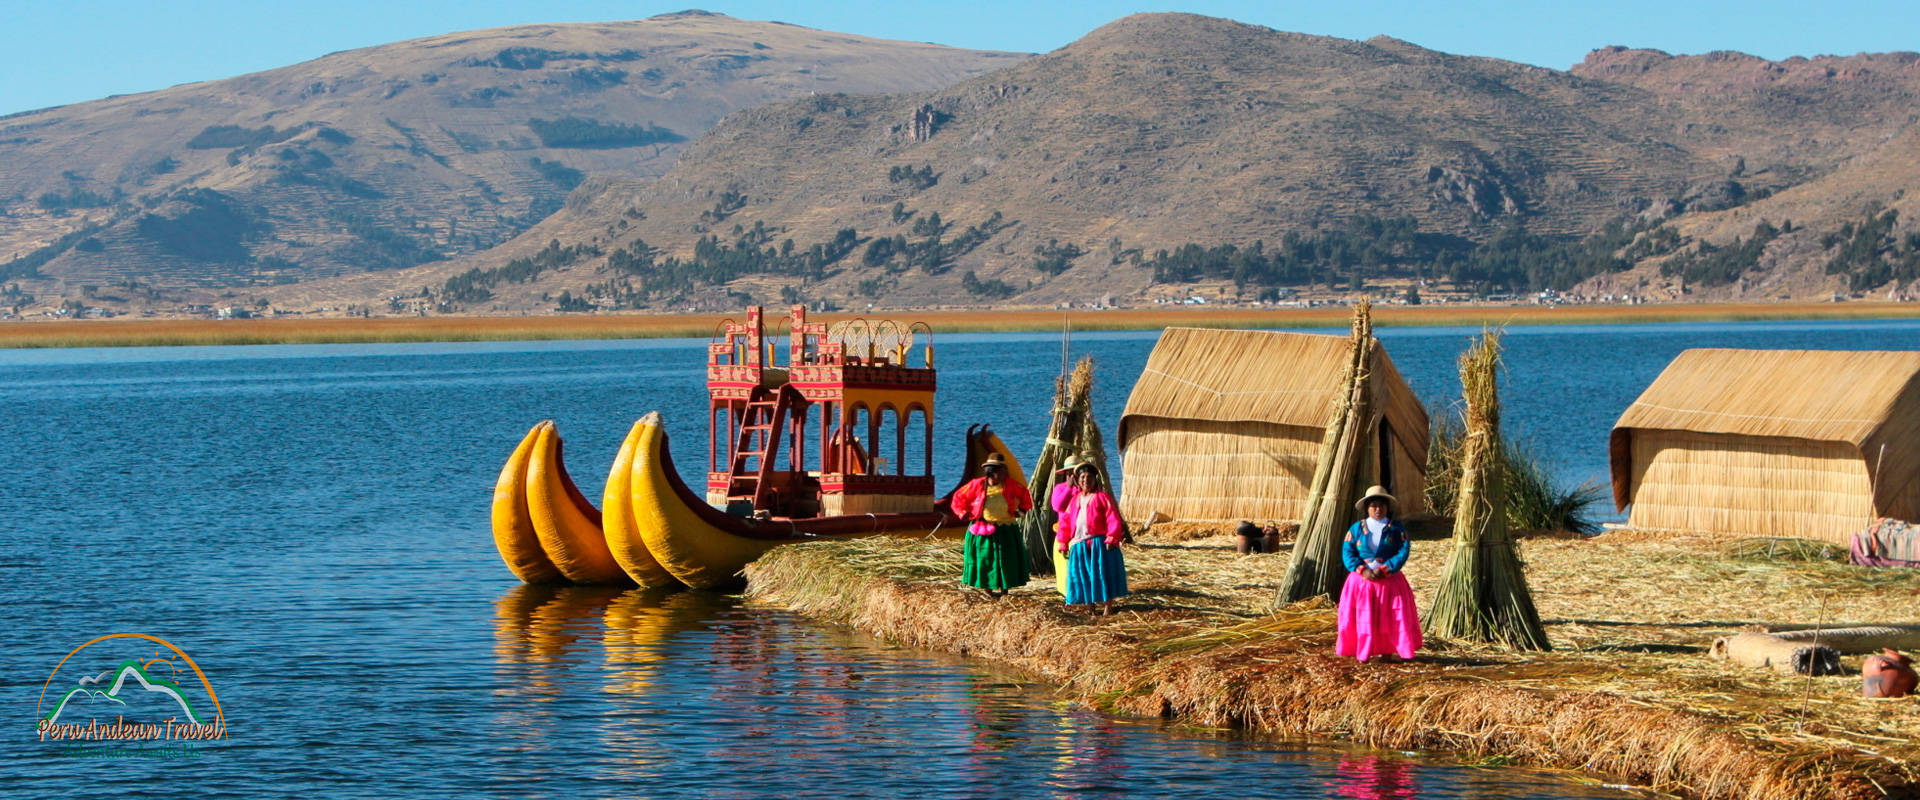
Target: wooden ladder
[{"x": 761, "y": 425}]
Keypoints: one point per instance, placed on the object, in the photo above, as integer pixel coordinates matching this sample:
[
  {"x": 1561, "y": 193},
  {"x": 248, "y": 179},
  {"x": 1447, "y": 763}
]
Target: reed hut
[
  {"x": 1805, "y": 443},
  {"x": 1227, "y": 424}
]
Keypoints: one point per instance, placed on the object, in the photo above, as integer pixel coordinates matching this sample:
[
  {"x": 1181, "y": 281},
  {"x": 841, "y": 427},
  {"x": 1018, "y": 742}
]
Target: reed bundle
[
  {"x": 1482, "y": 595},
  {"x": 1073, "y": 432},
  {"x": 1316, "y": 567}
]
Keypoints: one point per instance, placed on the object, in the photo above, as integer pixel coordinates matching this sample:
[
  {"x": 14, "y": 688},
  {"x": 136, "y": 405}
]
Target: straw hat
[
  {"x": 994, "y": 460},
  {"x": 1072, "y": 463},
  {"x": 1374, "y": 491}
]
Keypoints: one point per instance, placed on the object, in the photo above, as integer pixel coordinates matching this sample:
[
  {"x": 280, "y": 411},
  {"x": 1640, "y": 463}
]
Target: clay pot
[{"x": 1889, "y": 675}]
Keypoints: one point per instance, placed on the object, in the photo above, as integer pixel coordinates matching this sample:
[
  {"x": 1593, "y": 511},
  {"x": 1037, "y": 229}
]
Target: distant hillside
[
  {"x": 1169, "y": 153},
  {"x": 1819, "y": 151},
  {"x": 392, "y": 156},
  {"x": 1164, "y": 149}
]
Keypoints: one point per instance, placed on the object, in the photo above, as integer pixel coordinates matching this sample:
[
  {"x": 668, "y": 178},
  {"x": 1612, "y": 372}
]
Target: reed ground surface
[
  {"x": 1628, "y": 693},
  {"x": 123, "y": 332}
]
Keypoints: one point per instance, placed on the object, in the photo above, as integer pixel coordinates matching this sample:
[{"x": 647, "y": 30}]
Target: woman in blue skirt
[{"x": 1090, "y": 532}]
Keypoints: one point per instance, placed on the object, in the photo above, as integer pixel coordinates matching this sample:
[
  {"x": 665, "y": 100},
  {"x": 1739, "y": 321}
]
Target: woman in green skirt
[{"x": 994, "y": 558}]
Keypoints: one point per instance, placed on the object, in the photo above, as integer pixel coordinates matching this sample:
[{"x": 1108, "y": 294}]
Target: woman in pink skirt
[{"x": 1377, "y": 614}]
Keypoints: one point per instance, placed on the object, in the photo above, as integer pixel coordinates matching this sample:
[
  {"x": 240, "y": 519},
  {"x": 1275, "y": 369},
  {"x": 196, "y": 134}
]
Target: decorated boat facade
[{"x": 826, "y": 432}]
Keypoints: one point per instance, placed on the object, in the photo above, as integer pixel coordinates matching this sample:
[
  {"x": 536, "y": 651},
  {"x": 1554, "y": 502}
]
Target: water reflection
[
  {"x": 539, "y": 627},
  {"x": 639, "y": 625},
  {"x": 1085, "y": 758},
  {"x": 1375, "y": 778},
  {"x": 685, "y": 694}
]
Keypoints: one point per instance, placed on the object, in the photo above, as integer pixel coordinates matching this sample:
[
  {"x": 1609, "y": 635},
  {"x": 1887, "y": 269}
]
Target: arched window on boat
[
  {"x": 889, "y": 441},
  {"x": 916, "y": 443},
  {"x": 850, "y": 441}
]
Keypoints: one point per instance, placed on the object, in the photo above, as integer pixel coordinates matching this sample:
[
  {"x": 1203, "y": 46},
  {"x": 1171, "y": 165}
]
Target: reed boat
[
  {"x": 817, "y": 445},
  {"x": 832, "y": 438}
]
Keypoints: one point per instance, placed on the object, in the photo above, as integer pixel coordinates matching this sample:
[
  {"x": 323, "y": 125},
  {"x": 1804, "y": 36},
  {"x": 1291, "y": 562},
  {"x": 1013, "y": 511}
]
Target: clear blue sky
[{"x": 64, "y": 51}]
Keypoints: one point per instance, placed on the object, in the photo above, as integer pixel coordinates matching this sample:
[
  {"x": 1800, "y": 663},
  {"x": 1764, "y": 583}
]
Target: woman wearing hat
[
  {"x": 1090, "y": 532},
  {"x": 994, "y": 557},
  {"x": 1377, "y": 613}
]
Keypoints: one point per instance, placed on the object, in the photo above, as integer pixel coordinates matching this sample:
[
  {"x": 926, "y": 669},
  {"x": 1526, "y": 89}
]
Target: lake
[{"x": 308, "y": 524}]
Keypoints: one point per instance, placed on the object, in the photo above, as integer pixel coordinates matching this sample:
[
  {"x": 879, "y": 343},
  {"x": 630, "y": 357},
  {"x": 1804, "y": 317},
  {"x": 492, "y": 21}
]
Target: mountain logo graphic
[
  {"x": 128, "y": 675},
  {"x": 186, "y": 711}
]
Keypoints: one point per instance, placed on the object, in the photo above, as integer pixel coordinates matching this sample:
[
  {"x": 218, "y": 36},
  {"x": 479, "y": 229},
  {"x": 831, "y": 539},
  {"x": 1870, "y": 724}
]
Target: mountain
[
  {"x": 391, "y": 156},
  {"x": 1819, "y": 150},
  {"x": 1247, "y": 155},
  {"x": 1164, "y": 154}
]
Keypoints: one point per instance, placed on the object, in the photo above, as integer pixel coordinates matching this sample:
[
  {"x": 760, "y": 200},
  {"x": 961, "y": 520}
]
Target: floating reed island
[{"x": 1627, "y": 694}]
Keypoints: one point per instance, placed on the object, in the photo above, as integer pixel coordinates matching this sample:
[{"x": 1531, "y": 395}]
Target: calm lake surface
[{"x": 309, "y": 525}]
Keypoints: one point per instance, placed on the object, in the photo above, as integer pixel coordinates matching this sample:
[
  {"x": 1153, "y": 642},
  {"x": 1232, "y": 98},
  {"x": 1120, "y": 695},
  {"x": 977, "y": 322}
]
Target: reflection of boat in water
[
  {"x": 639, "y": 626},
  {"x": 539, "y": 626},
  {"x": 786, "y": 462}
]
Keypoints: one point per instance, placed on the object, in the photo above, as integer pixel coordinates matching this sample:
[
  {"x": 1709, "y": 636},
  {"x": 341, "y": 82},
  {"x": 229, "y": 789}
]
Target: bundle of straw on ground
[
  {"x": 1628, "y": 694},
  {"x": 1316, "y": 567},
  {"x": 1482, "y": 594}
]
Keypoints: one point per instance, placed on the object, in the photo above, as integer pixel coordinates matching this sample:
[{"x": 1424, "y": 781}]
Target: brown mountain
[
  {"x": 390, "y": 156},
  {"x": 1821, "y": 146},
  {"x": 1062, "y": 177},
  {"x": 1167, "y": 149}
]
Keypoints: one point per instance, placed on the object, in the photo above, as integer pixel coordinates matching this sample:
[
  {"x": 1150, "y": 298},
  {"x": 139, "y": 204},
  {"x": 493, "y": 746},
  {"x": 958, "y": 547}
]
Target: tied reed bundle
[
  {"x": 1483, "y": 593},
  {"x": 1072, "y": 433},
  {"x": 1316, "y": 568}
]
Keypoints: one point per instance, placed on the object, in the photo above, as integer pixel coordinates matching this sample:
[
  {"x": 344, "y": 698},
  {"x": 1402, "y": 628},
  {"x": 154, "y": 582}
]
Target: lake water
[{"x": 309, "y": 525}]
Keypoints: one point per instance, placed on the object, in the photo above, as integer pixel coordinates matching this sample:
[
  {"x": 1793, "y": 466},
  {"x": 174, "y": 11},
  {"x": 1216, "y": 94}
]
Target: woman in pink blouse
[{"x": 1090, "y": 532}]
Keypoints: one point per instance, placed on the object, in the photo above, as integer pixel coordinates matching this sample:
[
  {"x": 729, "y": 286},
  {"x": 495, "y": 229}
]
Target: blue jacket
[{"x": 1393, "y": 546}]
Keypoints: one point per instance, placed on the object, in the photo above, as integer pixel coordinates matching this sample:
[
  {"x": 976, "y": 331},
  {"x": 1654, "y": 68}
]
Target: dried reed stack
[
  {"x": 1316, "y": 568},
  {"x": 1073, "y": 432},
  {"x": 1483, "y": 594}
]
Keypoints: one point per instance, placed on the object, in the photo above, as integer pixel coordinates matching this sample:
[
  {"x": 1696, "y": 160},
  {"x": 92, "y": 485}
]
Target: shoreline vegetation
[
  {"x": 1626, "y": 696},
  {"x": 148, "y": 332}
]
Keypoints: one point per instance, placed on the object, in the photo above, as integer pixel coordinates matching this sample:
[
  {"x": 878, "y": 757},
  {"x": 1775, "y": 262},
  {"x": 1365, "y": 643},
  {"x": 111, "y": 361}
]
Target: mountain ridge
[
  {"x": 387, "y": 156},
  {"x": 1165, "y": 152}
]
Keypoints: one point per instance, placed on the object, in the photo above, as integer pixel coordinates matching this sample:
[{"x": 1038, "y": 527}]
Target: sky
[{"x": 66, "y": 51}]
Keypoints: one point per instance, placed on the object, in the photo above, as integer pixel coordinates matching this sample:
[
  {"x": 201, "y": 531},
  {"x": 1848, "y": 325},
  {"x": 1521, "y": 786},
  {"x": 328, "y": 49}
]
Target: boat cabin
[{"x": 839, "y": 423}]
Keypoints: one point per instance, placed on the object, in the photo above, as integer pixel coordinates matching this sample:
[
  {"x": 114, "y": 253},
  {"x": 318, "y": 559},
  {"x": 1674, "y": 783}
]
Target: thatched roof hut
[
  {"x": 1226, "y": 424},
  {"x": 1806, "y": 443}
]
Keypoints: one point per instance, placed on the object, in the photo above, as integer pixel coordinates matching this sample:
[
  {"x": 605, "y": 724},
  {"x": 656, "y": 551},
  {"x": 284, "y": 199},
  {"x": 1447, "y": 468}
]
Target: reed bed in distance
[{"x": 149, "y": 331}]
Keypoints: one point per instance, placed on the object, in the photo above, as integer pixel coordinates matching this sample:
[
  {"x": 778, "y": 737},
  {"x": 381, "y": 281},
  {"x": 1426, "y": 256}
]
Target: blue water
[{"x": 309, "y": 524}]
